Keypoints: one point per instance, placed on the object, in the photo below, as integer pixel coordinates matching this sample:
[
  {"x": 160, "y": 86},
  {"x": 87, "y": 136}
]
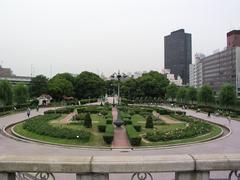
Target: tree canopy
[
  {"x": 205, "y": 95},
  {"x": 88, "y": 85},
  {"x": 20, "y": 94},
  {"x": 38, "y": 86},
  {"x": 227, "y": 95},
  {"x": 6, "y": 93},
  {"x": 171, "y": 91},
  {"x": 58, "y": 87}
]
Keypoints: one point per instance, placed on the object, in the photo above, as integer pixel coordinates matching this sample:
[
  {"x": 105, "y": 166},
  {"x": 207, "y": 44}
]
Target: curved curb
[{"x": 18, "y": 137}]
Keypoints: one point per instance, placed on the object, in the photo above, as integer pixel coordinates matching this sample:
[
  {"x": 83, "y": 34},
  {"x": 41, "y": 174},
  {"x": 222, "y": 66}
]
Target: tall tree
[
  {"x": 152, "y": 84},
  {"x": 6, "y": 93},
  {"x": 20, "y": 94},
  {"x": 192, "y": 94},
  {"x": 227, "y": 95},
  {"x": 88, "y": 85},
  {"x": 171, "y": 91},
  {"x": 58, "y": 87},
  {"x": 38, "y": 86},
  {"x": 66, "y": 76},
  {"x": 182, "y": 95},
  {"x": 205, "y": 95}
]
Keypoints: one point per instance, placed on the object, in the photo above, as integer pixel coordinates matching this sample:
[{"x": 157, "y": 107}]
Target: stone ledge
[{"x": 119, "y": 164}]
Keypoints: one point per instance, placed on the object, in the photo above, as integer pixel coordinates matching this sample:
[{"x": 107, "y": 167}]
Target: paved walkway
[
  {"x": 120, "y": 139},
  {"x": 68, "y": 118},
  {"x": 167, "y": 119}
]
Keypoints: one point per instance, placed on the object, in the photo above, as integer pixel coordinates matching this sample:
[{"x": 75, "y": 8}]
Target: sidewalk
[{"x": 120, "y": 139}]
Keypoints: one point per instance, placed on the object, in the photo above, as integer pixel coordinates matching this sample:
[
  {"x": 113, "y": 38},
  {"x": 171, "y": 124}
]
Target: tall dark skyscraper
[{"x": 178, "y": 53}]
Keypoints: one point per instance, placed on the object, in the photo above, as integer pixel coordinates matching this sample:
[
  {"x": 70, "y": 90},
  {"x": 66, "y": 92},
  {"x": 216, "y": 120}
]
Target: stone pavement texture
[
  {"x": 120, "y": 139},
  {"x": 228, "y": 144}
]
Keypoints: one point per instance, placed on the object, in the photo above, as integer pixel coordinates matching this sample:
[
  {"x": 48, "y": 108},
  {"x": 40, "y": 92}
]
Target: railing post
[
  {"x": 192, "y": 175},
  {"x": 92, "y": 176},
  {"x": 7, "y": 176}
]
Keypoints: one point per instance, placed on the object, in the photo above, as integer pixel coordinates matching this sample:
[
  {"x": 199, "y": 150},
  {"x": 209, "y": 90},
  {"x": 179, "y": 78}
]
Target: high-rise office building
[{"x": 178, "y": 54}]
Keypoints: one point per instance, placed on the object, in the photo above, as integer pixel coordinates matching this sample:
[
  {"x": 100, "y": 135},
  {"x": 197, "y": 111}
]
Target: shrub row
[
  {"x": 108, "y": 135},
  {"x": 85, "y": 101},
  {"x": 65, "y": 110},
  {"x": 133, "y": 136},
  {"x": 192, "y": 129},
  {"x": 40, "y": 125}
]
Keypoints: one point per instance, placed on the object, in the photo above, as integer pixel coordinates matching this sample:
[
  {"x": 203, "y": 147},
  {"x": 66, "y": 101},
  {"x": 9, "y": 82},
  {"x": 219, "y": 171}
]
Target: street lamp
[{"x": 118, "y": 76}]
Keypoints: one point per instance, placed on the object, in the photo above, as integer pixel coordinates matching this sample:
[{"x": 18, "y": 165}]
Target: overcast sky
[{"x": 106, "y": 35}]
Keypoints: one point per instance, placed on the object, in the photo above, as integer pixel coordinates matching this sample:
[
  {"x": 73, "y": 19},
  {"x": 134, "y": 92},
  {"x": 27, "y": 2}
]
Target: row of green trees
[
  {"x": 152, "y": 85},
  {"x": 10, "y": 94},
  {"x": 204, "y": 95},
  {"x": 83, "y": 86}
]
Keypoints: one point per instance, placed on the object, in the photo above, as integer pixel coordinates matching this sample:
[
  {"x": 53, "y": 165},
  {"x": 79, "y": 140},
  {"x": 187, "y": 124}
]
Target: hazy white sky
[{"x": 106, "y": 35}]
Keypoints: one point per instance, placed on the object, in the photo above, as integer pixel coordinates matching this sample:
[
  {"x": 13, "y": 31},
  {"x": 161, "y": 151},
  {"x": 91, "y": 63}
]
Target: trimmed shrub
[
  {"x": 127, "y": 121},
  {"x": 102, "y": 127},
  {"x": 66, "y": 110},
  {"x": 40, "y": 125},
  {"x": 133, "y": 136},
  {"x": 108, "y": 135},
  {"x": 109, "y": 121},
  {"x": 87, "y": 121},
  {"x": 138, "y": 128},
  {"x": 149, "y": 122}
]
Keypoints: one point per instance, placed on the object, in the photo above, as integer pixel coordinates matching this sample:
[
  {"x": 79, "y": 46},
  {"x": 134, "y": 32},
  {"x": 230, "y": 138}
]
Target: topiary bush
[
  {"x": 149, "y": 122},
  {"x": 87, "y": 121},
  {"x": 138, "y": 128}
]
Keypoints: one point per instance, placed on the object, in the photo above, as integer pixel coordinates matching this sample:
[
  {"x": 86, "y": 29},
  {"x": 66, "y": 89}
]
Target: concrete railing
[{"x": 186, "y": 167}]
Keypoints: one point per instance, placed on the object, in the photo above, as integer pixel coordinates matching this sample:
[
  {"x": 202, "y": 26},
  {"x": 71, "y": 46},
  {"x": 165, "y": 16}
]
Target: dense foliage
[
  {"x": 89, "y": 85},
  {"x": 227, "y": 95},
  {"x": 6, "y": 94},
  {"x": 40, "y": 125},
  {"x": 20, "y": 94},
  {"x": 87, "y": 121},
  {"x": 38, "y": 86}
]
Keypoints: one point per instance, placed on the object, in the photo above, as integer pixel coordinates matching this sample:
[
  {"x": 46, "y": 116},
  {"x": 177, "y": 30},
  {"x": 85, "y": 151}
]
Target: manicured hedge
[
  {"x": 194, "y": 128},
  {"x": 40, "y": 125},
  {"x": 133, "y": 136},
  {"x": 109, "y": 121},
  {"x": 138, "y": 128},
  {"x": 108, "y": 135},
  {"x": 66, "y": 110}
]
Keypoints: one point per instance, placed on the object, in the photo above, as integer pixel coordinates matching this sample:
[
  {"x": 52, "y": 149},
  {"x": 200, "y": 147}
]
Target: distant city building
[
  {"x": 7, "y": 74},
  {"x": 233, "y": 38},
  {"x": 195, "y": 71},
  {"x": 171, "y": 77},
  {"x": 178, "y": 54},
  {"x": 222, "y": 67}
]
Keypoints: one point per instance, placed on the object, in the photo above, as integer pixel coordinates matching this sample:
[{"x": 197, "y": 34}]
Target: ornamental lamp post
[{"x": 118, "y": 76}]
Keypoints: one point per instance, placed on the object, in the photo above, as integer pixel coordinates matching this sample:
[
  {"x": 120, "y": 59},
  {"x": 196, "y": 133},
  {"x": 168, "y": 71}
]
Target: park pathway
[{"x": 120, "y": 139}]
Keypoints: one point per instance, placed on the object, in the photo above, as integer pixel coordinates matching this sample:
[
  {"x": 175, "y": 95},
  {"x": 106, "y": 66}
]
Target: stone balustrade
[{"x": 186, "y": 167}]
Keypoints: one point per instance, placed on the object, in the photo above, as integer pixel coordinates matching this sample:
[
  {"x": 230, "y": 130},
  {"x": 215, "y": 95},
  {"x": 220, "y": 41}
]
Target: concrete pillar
[
  {"x": 7, "y": 176},
  {"x": 192, "y": 175},
  {"x": 93, "y": 176}
]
